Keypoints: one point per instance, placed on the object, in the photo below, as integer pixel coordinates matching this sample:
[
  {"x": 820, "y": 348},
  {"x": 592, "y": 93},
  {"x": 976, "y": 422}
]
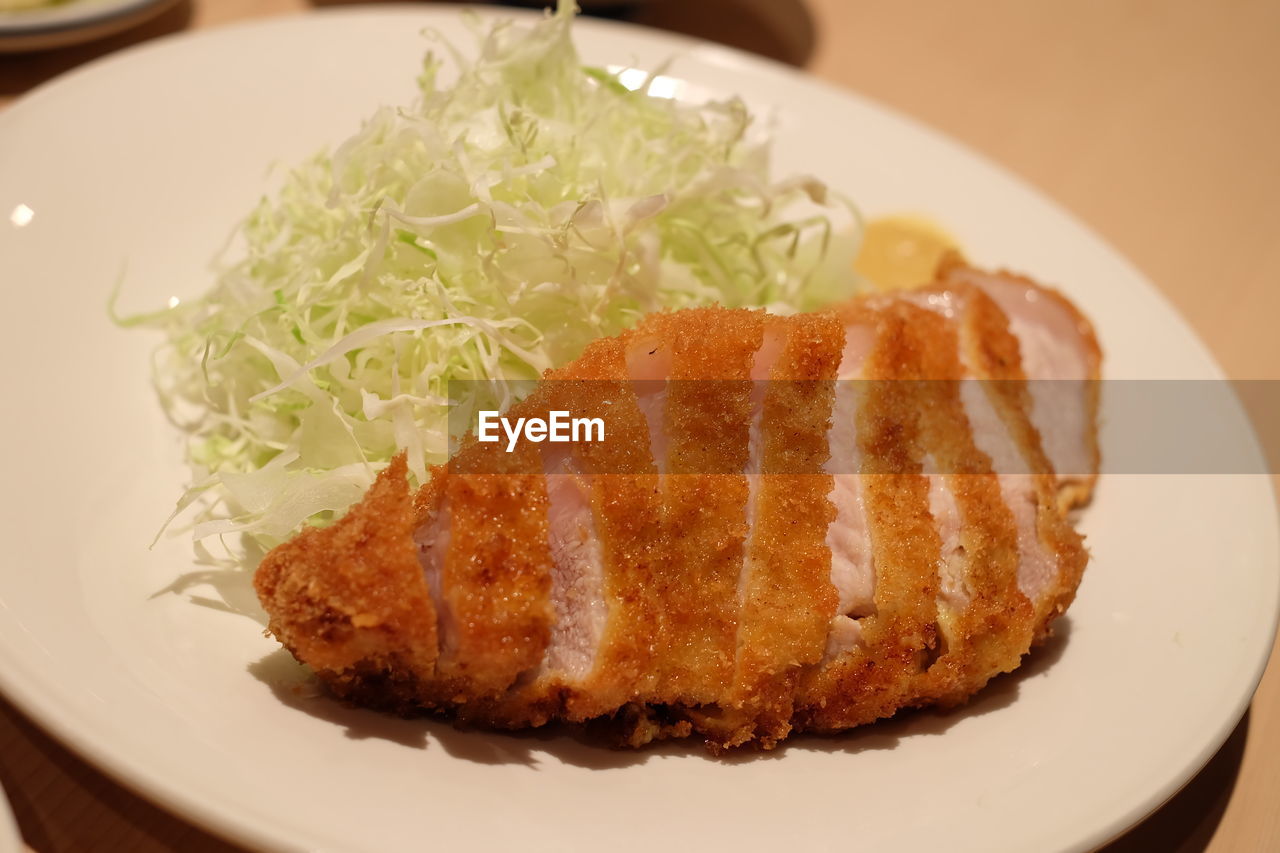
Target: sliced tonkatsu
[{"x": 792, "y": 523}]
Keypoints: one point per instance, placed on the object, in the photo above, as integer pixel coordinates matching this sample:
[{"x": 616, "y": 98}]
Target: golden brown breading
[
  {"x": 878, "y": 677},
  {"x": 787, "y": 600},
  {"x": 350, "y": 600},
  {"x": 707, "y": 417},
  {"x": 716, "y": 593},
  {"x": 994, "y": 352},
  {"x": 991, "y": 632},
  {"x": 987, "y": 335}
]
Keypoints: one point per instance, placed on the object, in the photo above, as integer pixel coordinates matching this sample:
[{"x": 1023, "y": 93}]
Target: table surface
[{"x": 1154, "y": 123}]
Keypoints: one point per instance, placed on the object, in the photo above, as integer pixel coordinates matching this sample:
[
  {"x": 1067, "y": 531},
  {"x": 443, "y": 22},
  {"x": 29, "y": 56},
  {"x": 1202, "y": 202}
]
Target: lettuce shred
[{"x": 488, "y": 231}]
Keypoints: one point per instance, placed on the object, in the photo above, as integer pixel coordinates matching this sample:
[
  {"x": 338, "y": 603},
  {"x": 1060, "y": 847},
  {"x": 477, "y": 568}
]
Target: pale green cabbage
[{"x": 490, "y": 230}]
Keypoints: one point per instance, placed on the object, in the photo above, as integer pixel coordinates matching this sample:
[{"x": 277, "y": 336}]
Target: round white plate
[
  {"x": 10, "y": 840},
  {"x": 148, "y": 158},
  {"x": 72, "y": 22}
]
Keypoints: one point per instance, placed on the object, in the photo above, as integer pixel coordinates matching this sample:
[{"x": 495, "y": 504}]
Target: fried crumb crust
[{"x": 712, "y": 629}]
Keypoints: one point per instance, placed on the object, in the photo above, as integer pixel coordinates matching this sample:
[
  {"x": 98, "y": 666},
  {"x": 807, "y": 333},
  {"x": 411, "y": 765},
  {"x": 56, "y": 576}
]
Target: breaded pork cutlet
[{"x": 738, "y": 558}]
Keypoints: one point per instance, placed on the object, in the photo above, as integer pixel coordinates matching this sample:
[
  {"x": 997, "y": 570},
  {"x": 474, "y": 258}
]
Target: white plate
[
  {"x": 10, "y": 840},
  {"x": 149, "y": 156},
  {"x": 72, "y": 22}
]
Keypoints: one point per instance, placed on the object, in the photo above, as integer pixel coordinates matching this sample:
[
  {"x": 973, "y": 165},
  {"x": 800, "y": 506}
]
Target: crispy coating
[
  {"x": 350, "y": 600},
  {"x": 627, "y": 506},
  {"x": 716, "y": 591},
  {"x": 990, "y": 633},
  {"x": 708, "y": 413},
  {"x": 787, "y": 600},
  {"x": 987, "y": 335},
  {"x": 878, "y": 677},
  {"x": 990, "y": 345}
]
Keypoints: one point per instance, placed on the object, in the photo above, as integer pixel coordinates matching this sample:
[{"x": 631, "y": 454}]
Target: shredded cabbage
[{"x": 488, "y": 231}]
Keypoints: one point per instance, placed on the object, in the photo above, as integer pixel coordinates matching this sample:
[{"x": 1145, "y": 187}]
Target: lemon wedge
[{"x": 902, "y": 251}]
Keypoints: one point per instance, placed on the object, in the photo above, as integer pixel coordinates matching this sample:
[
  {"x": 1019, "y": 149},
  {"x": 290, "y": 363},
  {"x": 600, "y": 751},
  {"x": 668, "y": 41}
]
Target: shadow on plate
[
  {"x": 583, "y": 746},
  {"x": 777, "y": 29},
  {"x": 20, "y": 72}
]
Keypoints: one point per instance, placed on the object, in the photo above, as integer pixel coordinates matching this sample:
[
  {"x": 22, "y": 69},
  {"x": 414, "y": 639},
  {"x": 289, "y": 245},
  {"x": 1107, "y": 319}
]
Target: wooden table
[{"x": 1155, "y": 123}]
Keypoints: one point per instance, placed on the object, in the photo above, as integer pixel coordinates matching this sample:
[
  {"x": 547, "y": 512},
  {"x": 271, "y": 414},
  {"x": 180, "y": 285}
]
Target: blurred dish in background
[
  {"x": 29, "y": 25},
  {"x": 15, "y": 5},
  {"x": 778, "y": 29}
]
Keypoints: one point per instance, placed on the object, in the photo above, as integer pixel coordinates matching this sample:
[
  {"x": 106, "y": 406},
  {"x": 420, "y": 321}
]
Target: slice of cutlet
[
  {"x": 493, "y": 567},
  {"x": 350, "y": 600},
  {"x": 787, "y": 597},
  {"x": 872, "y": 676},
  {"x": 704, "y": 492},
  {"x": 985, "y": 622}
]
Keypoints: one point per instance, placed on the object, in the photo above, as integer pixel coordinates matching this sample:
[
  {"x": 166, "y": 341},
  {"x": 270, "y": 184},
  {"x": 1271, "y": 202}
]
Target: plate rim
[
  {"x": 51, "y": 716},
  {"x": 10, "y": 835}
]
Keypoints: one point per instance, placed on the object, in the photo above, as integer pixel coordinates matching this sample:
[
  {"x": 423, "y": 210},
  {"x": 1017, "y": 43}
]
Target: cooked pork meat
[{"x": 739, "y": 558}]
